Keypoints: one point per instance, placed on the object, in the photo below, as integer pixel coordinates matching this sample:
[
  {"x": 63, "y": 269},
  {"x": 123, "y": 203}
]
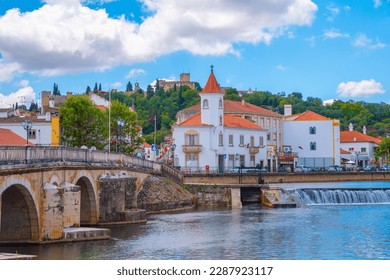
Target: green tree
[
  {"x": 88, "y": 90},
  {"x": 83, "y": 123},
  {"x": 232, "y": 94},
  {"x": 131, "y": 139},
  {"x": 100, "y": 87},
  {"x": 95, "y": 88},
  {"x": 383, "y": 150},
  {"x": 56, "y": 91},
  {"x": 129, "y": 87}
]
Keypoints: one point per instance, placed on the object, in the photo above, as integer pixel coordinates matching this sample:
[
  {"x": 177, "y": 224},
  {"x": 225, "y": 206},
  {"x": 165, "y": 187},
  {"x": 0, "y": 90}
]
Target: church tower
[{"x": 211, "y": 102}]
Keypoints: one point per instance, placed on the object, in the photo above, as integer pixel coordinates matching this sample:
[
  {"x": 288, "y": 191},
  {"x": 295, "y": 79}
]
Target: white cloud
[
  {"x": 333, "y": 12},
  {"x": 364, "y": 88},
  {"x": 334, "y": 33},
  {"x": 7, "y": 70},
  {"x": 23, "y": 96},
  {"x": 63, "y": 36},
  {"x": 328, "y": 102},
  {"x": 311, "y": 40},
  {"x": 135, "y": 72},
  {"x": 281, "y": 67},
  {"x": 362, "y": 41},
  {"x": 377, "y": 3},
  {"x": 116, "y": 85}
]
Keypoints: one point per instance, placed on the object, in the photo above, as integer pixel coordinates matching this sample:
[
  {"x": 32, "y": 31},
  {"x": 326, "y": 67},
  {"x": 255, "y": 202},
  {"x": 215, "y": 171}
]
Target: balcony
[
  {"x": 254, "y": 150},
  {"x": 192, "y": 149}
]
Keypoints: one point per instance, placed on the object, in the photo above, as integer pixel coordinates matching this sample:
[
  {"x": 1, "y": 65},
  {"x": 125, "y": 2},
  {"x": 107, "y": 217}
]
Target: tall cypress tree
[
  {"x": 129, "y": 87},
  {"x": 95, "y": 89}
]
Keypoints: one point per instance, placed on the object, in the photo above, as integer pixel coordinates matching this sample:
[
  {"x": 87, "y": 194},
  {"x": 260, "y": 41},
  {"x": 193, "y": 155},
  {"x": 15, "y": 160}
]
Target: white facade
[
  {"x": 98, "y": 101},
  {"x": 361, "y": 146},
  {"x": 40, "y": 133},
  {"x": 316, "y": 140},
  {"x": 213, "y": 141},
  {"x": 199, "y": 146}
]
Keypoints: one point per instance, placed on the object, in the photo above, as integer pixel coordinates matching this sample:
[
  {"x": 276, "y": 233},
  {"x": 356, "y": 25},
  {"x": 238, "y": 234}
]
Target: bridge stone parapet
[{"x": 39, "y": 201}]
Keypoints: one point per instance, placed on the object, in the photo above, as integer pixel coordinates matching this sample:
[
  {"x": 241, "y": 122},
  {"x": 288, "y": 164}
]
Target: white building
[
  {"x": 213, "y": 140},
  {"x": 39, "y": 134},
  {"x": 360, "y": 145},
  {"x": 315, "y": 138},
  {"x": 269, "y": 120}
]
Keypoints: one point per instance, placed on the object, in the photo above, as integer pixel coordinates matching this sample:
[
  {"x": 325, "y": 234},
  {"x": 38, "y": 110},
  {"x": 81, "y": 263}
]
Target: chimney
[
  {"x": 350, "y": 127},
  {"x": 287, "y": 110},
  {"x": 243, "y": 102},
  {"x": 364, "y": 130}
]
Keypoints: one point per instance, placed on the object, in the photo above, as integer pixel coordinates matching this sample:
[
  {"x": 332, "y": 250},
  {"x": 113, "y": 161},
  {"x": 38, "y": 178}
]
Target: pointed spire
[{"x": 212, "y": 85}]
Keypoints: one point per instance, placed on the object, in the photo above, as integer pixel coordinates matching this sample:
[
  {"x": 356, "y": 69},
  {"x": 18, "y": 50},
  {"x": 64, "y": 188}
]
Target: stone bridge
[{"x": 44, "y": 190}]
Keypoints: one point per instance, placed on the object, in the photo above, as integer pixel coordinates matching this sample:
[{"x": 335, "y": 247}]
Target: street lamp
[
  {"x": 27, "y": 125},
  {"x": 121, "y": 123}
]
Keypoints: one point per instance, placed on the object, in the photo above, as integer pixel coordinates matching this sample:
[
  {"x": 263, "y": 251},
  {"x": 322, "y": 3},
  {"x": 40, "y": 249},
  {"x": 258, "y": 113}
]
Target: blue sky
[{"x": 325, "y": 49}]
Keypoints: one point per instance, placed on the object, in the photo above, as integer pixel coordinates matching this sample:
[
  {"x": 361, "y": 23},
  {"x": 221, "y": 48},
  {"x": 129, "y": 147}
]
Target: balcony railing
[{"x": 192, "y": 149}]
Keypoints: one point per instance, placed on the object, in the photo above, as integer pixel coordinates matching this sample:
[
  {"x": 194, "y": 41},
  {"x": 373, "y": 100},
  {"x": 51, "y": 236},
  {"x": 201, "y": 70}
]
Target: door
[{"x": 221, "y": 163}]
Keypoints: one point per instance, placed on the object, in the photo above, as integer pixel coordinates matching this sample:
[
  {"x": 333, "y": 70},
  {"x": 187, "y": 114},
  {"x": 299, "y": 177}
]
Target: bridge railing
[
  {"x": 172, "y": 173},
  {"x": 40, "y": 154}
]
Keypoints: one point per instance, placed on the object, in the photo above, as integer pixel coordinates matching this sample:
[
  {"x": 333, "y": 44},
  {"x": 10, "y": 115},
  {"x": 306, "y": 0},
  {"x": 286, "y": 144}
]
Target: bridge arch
[
  {"x": 88, "y": 204},
  {"x": 18, "y": 216}
]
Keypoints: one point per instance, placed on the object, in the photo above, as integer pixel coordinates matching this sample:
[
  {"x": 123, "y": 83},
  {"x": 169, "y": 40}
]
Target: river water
[{"x": 335, "y": 231}]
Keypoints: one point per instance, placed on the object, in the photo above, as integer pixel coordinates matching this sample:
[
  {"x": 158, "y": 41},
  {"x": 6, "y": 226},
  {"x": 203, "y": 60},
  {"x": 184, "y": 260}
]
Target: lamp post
[
  {"x": 27, "y": 125},
  {"x": 121, "y": 123}
]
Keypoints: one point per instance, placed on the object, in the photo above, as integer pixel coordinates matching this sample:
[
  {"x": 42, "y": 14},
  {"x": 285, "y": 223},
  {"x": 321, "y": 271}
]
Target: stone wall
[
  {"x": 159, "y": 194},
  {"x": 117, "y": 200},
  {"x": 71, "y": 215},
  {"x": 271, "y": 178},
  {"x": 211, "y": 195},
  {"x": 52, "y": 222}
]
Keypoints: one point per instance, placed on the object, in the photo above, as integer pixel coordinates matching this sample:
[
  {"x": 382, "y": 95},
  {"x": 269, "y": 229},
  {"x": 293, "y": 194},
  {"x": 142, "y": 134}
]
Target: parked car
[
  {"x": 302, "y": 169},
  {"x": 383, "y": 168},
  {"x": 369, "y": 168},
  {"x": 335, "y": 168}
]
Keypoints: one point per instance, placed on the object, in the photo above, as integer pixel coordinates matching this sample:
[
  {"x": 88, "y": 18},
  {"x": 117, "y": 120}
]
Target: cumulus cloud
[
  {"x": 23, "y": 96},
  {"x": 333, "y": 12},
  {"x": 334, "y": 33},
  {"x": 63, "y": 36},
  {"x": 135, "y": 72},
  {"x": 377, "y": 3},
  {"x": 7, "y": 70},
  {"x": 281, "y": 67},
  {"x": 364, "y": 88},
  {"x": 116, "y": 85},
  {"x": 362, "y": 41}
]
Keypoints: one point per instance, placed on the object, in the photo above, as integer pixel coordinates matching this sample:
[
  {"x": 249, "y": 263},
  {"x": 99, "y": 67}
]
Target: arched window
[
  {"x": 220, "y": 103},
  {"x": 205, "y": 104},
  {"x": 220, "y": 120}
]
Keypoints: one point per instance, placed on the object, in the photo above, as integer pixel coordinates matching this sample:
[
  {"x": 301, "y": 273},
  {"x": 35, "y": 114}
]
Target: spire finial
[{"x": 212, "y": 68}]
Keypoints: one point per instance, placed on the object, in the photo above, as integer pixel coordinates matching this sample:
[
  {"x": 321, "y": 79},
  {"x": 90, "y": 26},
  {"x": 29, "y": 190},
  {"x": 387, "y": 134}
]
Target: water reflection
[{"x": 337, "y": 232}]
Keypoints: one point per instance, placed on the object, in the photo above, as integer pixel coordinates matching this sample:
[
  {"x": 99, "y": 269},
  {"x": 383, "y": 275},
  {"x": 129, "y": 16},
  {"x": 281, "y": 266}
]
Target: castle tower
[{"x": 211, "y": 98}]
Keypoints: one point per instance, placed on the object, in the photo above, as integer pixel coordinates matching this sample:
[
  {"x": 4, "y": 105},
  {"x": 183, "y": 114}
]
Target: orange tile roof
[
  {"x": 344, "y": 152},
  {"x": 231, "y": 106},
  {"x": 102, "y": 107},
  {"x": 212, "y": 85},
  {"x": 9, "y": 138},
  {"x": 237, "y": 122},
  {"x": 146, "y": 145},
  {"x": 311, "y": 116},
  {"x": 356, "y": 136},
  {"x": 193, "y": 121},
  {"x": 229, "y": 121}
]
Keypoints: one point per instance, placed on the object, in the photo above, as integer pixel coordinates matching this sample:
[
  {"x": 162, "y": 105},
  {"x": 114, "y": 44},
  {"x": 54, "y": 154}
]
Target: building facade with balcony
[
  {"x": 213, "y": 140},
  {"x": 314, "y": 137},
  {"x": 360, "y": 146},
  {"x": 269, "y": 120}
]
